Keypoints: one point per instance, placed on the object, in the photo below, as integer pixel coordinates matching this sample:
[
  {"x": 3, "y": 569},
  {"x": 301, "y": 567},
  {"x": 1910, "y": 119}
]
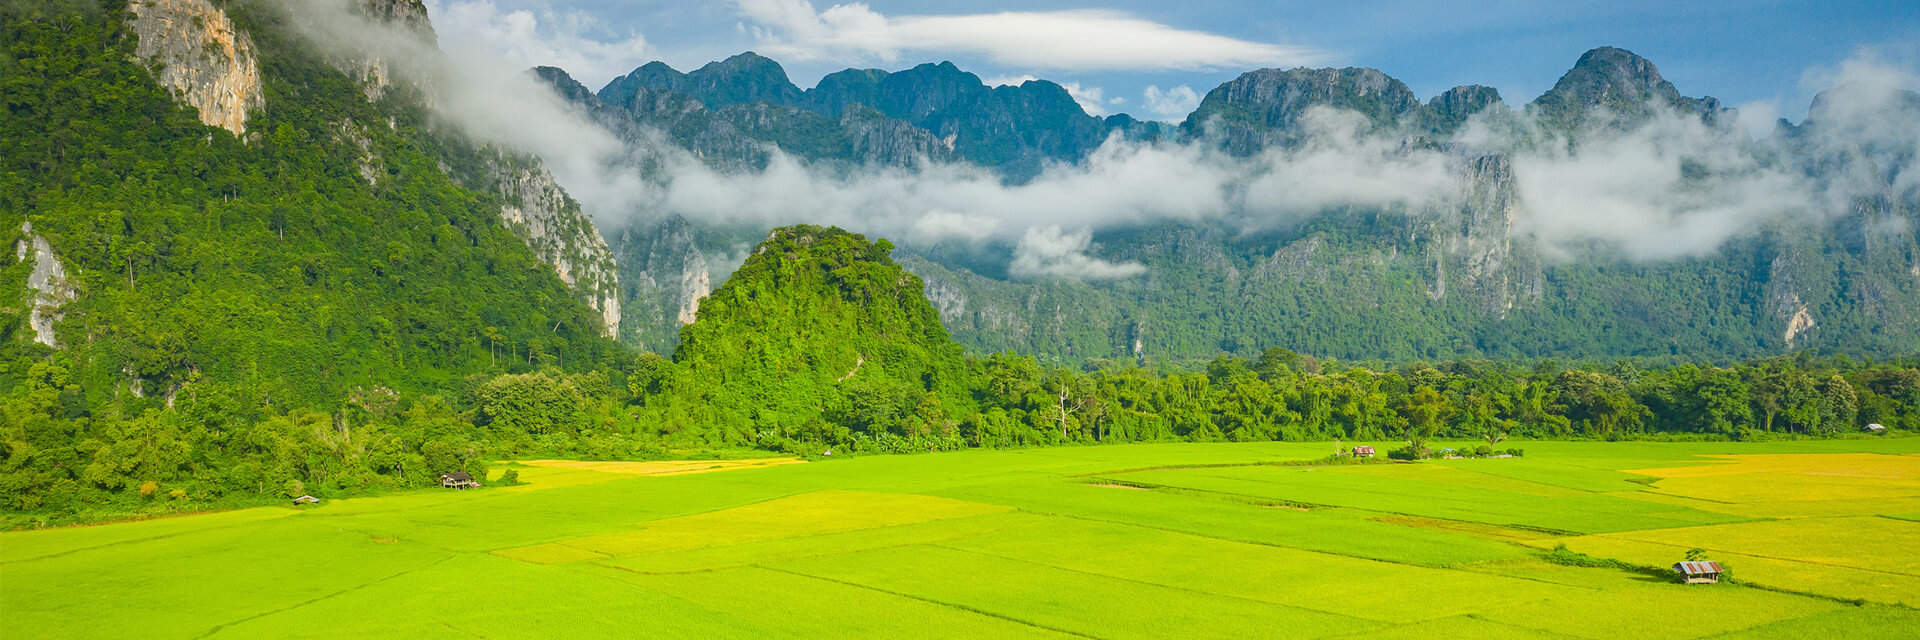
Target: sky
[{"x": 1155, "y": 59}]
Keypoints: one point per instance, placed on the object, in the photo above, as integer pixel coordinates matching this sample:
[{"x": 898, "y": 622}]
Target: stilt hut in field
[
  {"x": 458, "y": 480},
  {"x": 1363, "y": 451},
  {"x": 1699, "y": 571},
  {"x": 305, "y": 500}
]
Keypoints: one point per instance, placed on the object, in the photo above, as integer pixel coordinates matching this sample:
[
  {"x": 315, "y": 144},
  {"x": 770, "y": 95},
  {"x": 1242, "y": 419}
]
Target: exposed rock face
[
  {"x": 880, "y": 140},
  {"x": 551, "y": 224},
  {"x": 1475, "y": 246},
  {"x": 201, "y": 58},
  {"x": 1448, "y": 111},
  {"x": 411, "y": 14},
  {"x": 666, "y": 272},
  {"x": 48, "y": 282},
  {"x": 376, "y": 74}
]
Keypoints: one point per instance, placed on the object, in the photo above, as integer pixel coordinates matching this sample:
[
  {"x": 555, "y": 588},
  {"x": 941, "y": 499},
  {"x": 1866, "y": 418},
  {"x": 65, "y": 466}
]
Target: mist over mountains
[
  {"x": 1020, "y": 207},
  {"x": 1328, "y": 210}
]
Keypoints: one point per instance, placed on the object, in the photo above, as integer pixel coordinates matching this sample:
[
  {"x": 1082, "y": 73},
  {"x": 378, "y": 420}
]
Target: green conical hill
[{"x": 821, "y": 321}]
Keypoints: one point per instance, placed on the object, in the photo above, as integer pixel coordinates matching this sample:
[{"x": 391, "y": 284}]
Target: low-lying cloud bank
[{"x": 1671, "y": 188}]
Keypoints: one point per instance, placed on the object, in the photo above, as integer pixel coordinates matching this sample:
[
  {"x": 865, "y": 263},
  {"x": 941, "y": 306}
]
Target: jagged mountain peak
[
  {"x": 1848, "y": 101},
  {"x": 1629, "y": 87},
  {"x": 652, "y": 75},
  {"x": 1448, "y": 111},
  {"x": 744, "y": 78},
  {"x": 1264, "y": 106},
  {"x": 563, "y": 84}
]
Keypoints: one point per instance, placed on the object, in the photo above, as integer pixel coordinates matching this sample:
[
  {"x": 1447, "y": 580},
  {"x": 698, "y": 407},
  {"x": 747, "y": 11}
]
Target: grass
[{"x": 1028, "y": 544}]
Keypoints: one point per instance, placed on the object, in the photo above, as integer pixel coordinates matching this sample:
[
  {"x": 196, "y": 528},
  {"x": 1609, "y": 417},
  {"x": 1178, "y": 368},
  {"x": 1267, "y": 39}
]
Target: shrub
[
  {"x": 510, "y": 478},
  {"x": 1483, "y": 451}
]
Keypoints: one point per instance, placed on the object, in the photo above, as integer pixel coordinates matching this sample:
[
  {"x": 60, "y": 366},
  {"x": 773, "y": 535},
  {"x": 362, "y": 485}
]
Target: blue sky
[{"x": 1764, "y": 55}]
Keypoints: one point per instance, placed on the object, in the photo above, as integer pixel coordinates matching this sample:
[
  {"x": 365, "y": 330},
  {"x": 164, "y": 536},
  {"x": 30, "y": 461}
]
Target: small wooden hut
[
  {"x": 458, "y": 480},
  {"x": 1699, "y": 572},
  {"x": 1363, "y": 451},
  {"x": 306, "y": 500}
]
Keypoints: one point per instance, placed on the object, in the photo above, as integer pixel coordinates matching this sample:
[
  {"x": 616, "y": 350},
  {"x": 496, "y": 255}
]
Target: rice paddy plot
[
  {"x": 1068, "y": 601},
  {"x": 1772, "y": 572},
  {"x": 190, "y": 584},
  {"x": 1871, "y": 543},
  {"x": 766, "y": 599},
  {"x": 1553, "y": 473},
  {"x": 664, "y": 467},
  {"x": 806, "y": 546},
  {"x": 1772, "y": 478},
  {"x": 1634, "y": 607},
  {"x": 1390, "y": 490},
  {"x": 1335, "y": 531},
  {"x": 476, "y": 595},
  {"x": 1461, "y": 627},
  {"x": 808, "y": 513},
  {"x": 1342, "y": 585},
  {"x": 1853, "y": 623}
]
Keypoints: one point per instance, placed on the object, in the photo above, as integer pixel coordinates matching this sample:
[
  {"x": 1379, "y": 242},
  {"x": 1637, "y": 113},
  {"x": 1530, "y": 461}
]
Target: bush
[
  {"x": 510, "y": 478},
  {"x": 1483, "y": 451}
]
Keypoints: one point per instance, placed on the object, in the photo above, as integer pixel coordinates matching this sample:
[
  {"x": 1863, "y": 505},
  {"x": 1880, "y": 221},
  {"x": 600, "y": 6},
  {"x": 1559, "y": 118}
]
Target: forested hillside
[{"x": 210, "y": 302}]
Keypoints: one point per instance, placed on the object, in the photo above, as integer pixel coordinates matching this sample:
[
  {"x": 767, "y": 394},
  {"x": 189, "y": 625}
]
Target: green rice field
[{"x": 1130, "y": 541}]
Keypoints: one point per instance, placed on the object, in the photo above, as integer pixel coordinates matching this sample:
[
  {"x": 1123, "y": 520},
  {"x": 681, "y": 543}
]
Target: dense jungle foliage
[{"x": 226, "y": 284}]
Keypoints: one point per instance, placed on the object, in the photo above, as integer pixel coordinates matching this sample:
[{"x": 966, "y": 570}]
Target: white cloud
[
  {"x": 1078, "y": 40},
  {"x": 1093, "y": 100},
  {"x": 583, "y": 45},
  {"x": 1340, "y": 165},
  {"x": 1673, "y": 188},
  {"x": 1048, "y": 252},
  {"x": 1171, "y": 105}
]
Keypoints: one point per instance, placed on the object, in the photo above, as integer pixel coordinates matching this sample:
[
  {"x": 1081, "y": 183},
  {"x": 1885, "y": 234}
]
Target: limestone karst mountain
[{"x": 1466, "y": 275}]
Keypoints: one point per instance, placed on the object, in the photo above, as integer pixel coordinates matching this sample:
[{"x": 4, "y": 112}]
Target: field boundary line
[
  {"x": 1543, "y": 484},
  {"x": 953, "y": 605},
  {"x": 1461, "y": 505},
  {"x": 1227, "y": 539},
  {"x": 636, "y": 526},
  {"x": 1152, "y": 583},
  {"x": 430, "y": 565},
  {"x": 1471, "y": 616},
  {"x": 1292, "y": 462},
  {"x": 114, "y": 544},
  {"x": 1245, "y": 498}
]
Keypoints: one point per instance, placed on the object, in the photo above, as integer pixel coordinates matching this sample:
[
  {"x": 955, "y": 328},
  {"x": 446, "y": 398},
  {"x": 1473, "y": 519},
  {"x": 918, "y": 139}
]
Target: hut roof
[
  {"x": 457, "y": 475},
  {"x": 1694, "y": 568}
]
